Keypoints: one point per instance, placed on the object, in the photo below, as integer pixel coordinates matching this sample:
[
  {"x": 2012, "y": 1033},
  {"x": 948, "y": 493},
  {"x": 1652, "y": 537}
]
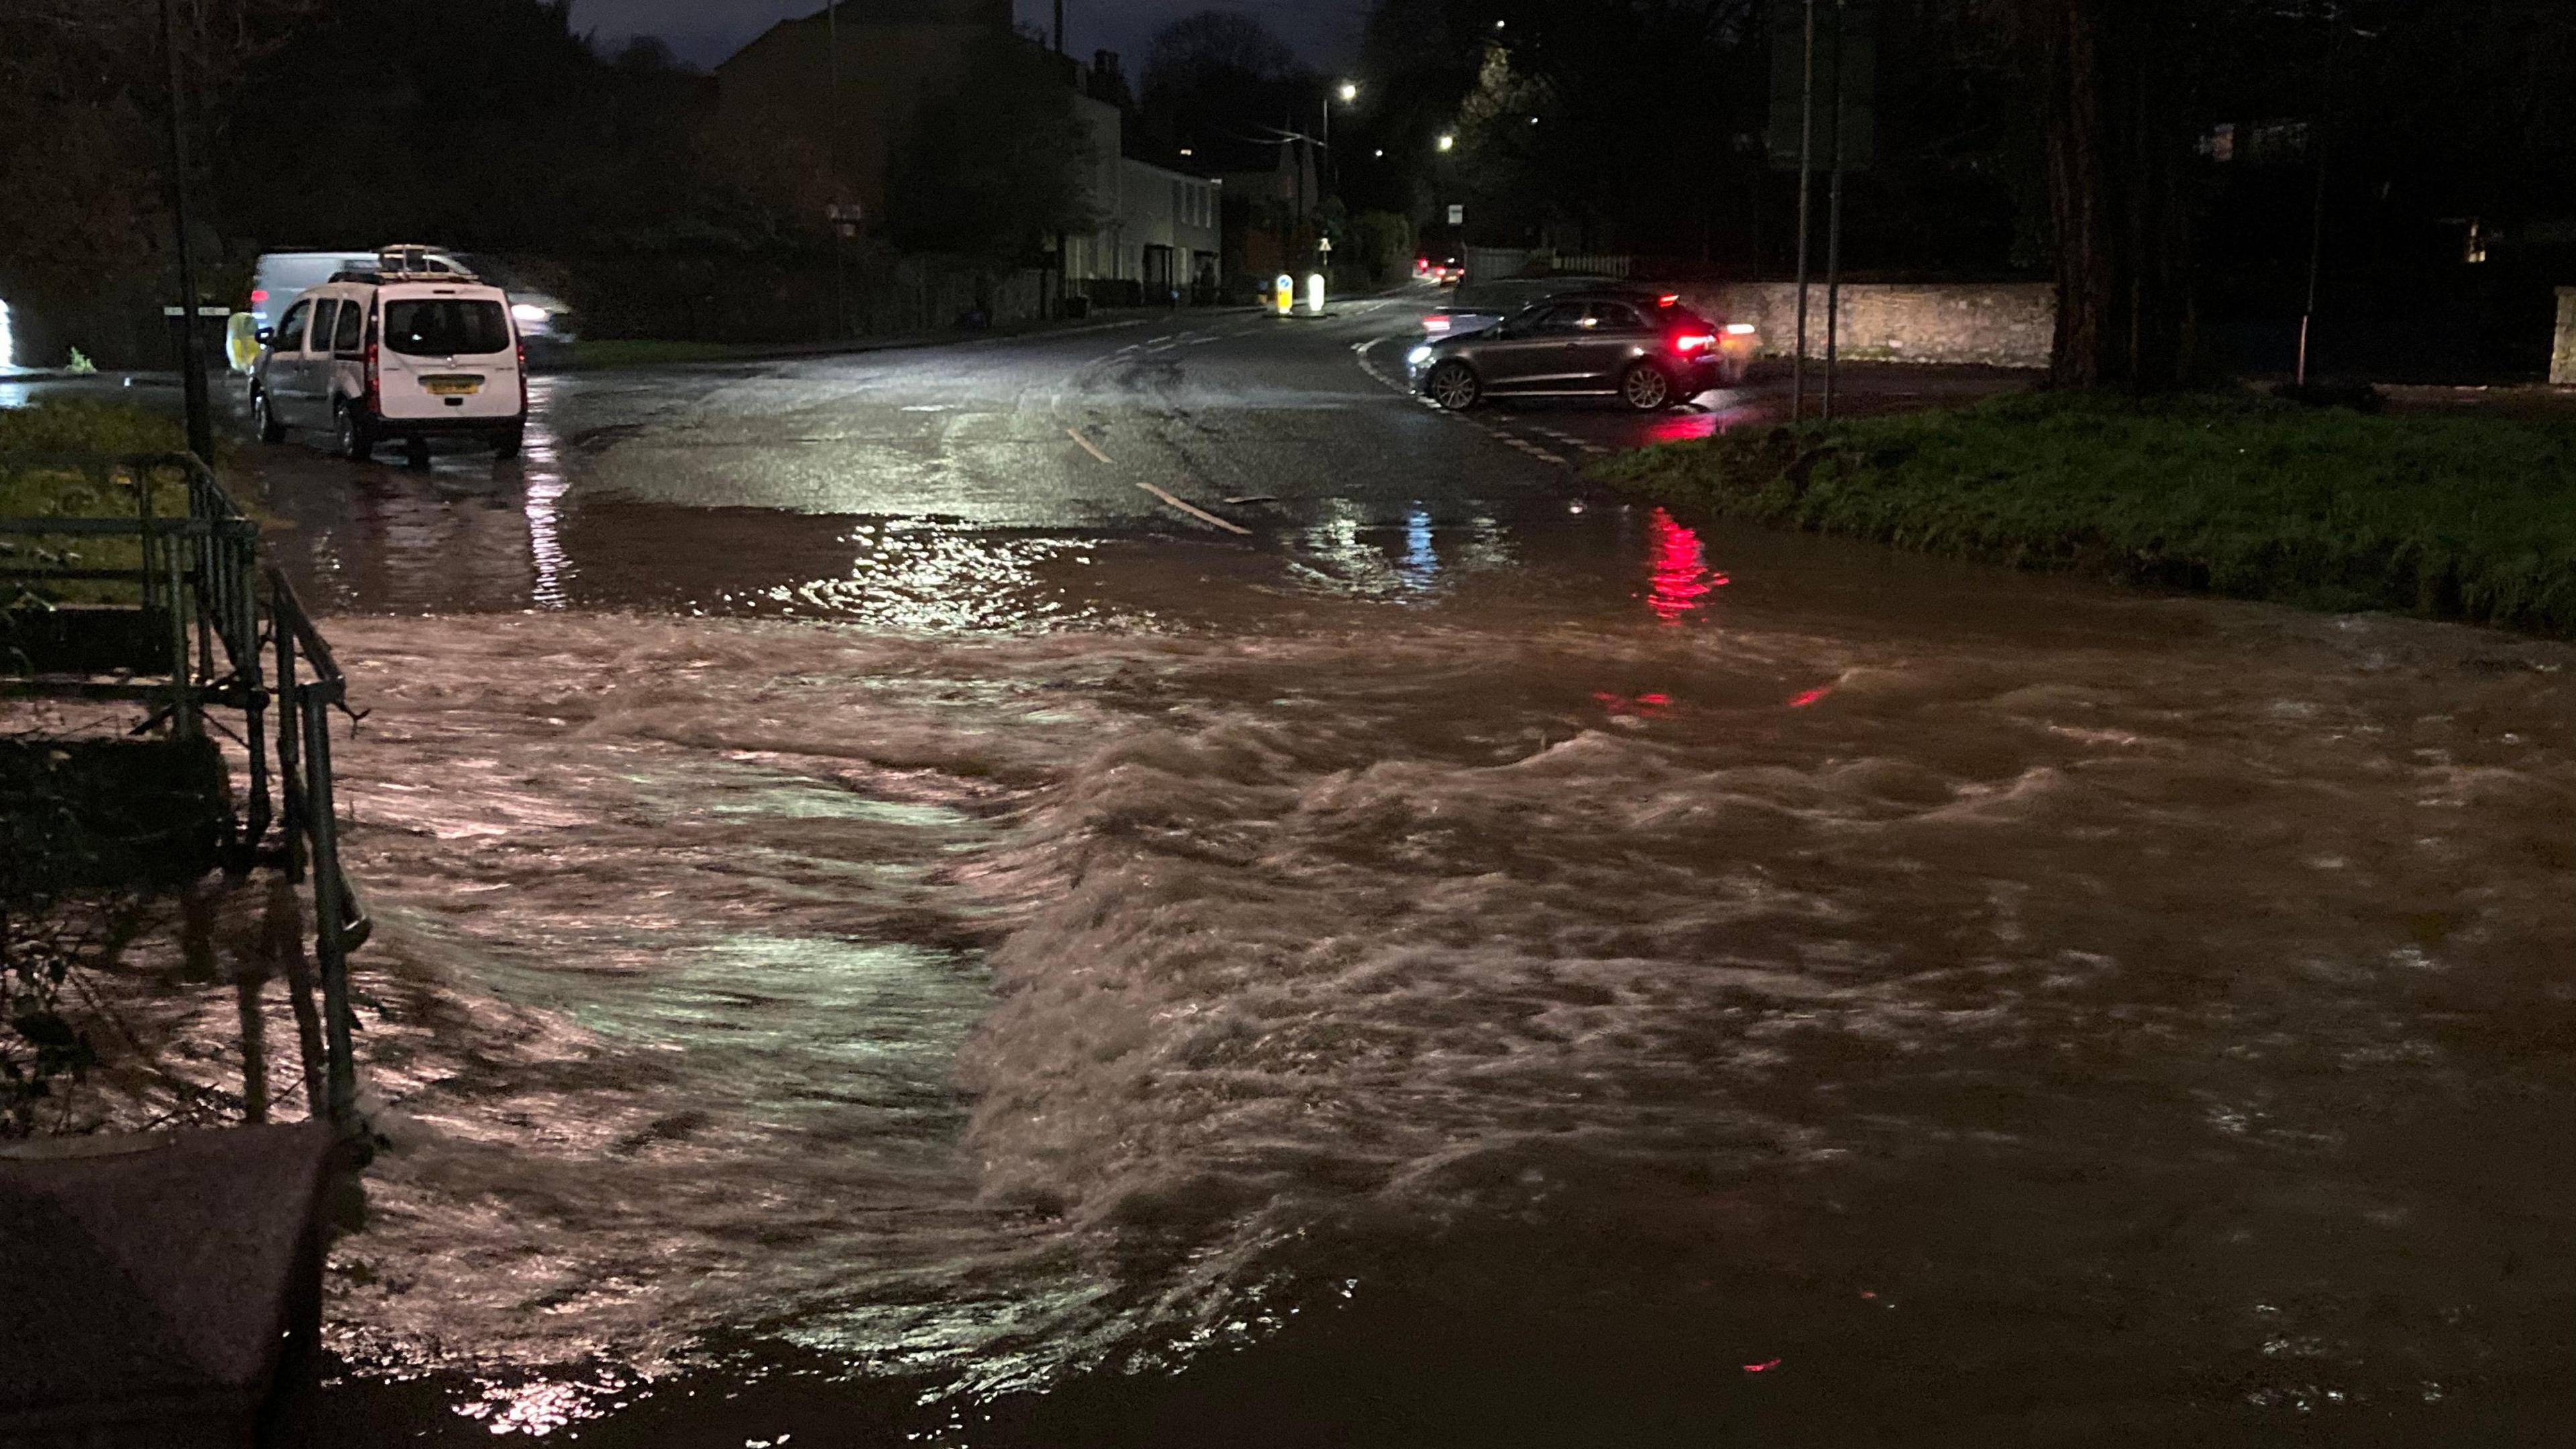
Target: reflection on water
[{"x": 1679, "y": 577}]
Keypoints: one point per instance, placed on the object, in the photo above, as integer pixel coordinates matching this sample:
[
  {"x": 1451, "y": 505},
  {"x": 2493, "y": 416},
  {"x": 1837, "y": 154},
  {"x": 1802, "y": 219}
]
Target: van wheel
[
  {"x": 264, "y": 417},
  {"x": 416, "y": 452},
  {"x": 356, "y": 440},
  {"x": 506, "y": 445}
]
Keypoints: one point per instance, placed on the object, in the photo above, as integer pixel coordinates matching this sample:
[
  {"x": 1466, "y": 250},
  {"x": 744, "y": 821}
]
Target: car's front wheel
[
  {"x": 1646, "y": 388},
  {"x": 1454, "y": 386},
  {"x": 356, "y": 439},
  {"x": 263, "y": 415}
]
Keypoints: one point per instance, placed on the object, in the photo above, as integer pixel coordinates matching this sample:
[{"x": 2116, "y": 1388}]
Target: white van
[{"x": 394, "y": 352}]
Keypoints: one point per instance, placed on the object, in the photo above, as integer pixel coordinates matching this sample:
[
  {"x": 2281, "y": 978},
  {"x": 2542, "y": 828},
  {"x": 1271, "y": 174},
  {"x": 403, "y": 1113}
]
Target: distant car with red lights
[{"x": 1645, "y": 349}]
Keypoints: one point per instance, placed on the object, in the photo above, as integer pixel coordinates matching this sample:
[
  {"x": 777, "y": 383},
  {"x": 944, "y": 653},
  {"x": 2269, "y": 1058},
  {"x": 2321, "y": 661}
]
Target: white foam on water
[{"x": 994, "y": 1006}]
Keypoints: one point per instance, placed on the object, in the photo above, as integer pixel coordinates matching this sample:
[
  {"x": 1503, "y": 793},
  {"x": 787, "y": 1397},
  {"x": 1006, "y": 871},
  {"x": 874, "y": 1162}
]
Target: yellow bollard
[{"x": 1284, "y": 292}]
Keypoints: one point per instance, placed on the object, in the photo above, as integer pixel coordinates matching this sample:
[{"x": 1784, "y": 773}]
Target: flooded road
[{"x": 945, "y": 944}]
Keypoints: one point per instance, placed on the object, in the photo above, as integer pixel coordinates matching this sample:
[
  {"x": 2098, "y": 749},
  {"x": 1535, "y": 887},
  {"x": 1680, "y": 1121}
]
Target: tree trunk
[{"x": 2109, "y": 98}]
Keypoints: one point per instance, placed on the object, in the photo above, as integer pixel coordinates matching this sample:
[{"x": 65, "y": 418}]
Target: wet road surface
[{"x": 1139, "y": 887}]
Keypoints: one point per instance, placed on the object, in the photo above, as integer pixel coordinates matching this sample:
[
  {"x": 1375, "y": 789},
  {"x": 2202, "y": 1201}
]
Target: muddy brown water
[{"x": 1503, "y": 975}]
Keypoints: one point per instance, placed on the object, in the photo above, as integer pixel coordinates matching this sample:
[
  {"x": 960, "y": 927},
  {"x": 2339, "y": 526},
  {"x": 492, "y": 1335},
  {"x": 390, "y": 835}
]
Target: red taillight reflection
[{"x": 1678, "y": 575}]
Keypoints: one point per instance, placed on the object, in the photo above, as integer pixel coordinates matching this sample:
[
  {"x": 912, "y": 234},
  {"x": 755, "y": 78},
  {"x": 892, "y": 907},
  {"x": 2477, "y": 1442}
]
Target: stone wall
[
  {"x": 2008, "y": 324},
  {"x": 2562, "y": 361}
]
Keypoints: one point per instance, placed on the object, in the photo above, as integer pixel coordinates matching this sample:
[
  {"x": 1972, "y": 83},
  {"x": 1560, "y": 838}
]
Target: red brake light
[
  {"x": 258, "y": 296},
  {"x": 375, "y": 382},
  {"x": 1435, "y": 323},
  {"x": 1693, "y": 342},
  {"x": 1669, "y": 299}
]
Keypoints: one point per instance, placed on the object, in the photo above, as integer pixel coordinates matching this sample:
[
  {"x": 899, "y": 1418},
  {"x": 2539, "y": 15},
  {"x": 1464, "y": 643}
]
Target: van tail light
[
  {"x": 1435, "y": 323},
  {"x": 259, "y": 296},
  {"x": 375, "y": 382},
  {"x": 523, "y": 376},
  {"x": 1690, "y": 342}
]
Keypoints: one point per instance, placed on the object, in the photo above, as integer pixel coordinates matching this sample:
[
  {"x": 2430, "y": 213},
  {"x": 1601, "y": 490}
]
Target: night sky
[{"x": 706, "y": 31}]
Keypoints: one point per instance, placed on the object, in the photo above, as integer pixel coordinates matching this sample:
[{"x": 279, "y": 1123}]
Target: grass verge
[
  {"x": 76, "y": 427},
  {"x": 2447, "y": 517}
]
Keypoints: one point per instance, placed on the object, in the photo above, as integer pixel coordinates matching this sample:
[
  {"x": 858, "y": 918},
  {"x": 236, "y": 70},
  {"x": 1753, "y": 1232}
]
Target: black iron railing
[{"x": 189, "y": 616}]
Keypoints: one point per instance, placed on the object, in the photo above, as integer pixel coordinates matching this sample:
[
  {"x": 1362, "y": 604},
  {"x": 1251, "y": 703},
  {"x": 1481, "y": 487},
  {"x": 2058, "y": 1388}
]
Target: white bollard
[{"x": 1315, "y": 293}]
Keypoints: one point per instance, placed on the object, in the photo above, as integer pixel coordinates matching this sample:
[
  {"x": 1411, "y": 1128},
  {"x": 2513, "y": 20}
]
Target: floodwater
[{"x": 1476, "y": 976}]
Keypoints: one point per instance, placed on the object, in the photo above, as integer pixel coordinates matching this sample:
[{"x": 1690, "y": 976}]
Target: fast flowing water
[{"x": 1428, "y": 983}]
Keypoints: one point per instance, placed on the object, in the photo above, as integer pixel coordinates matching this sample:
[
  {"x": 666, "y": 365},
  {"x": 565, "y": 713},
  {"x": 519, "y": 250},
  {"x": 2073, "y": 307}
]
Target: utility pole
[
  {"x": 1834, "y": 227},
  {"x": 192, "y": 359},
  {"x": 2317, "y": 221},
  {"x": 832, "y": 118},
  {"x": 1059, "y": 27},
  {"x": 1806, "y": 194}
]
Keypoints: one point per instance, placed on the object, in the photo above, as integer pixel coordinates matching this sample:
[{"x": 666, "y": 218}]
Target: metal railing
[
  {"x": 311, "y": 834},
  {"x": 198, "y": 588}
]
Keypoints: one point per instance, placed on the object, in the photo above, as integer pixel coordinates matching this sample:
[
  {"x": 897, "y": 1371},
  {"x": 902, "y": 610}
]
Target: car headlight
[
  {"x": 529, "y": 313},
  {"x": 1417, "y": 357}
]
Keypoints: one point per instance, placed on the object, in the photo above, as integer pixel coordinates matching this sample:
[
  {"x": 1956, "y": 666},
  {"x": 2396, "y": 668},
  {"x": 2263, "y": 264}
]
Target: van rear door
[{"x": 447, "y": 354}]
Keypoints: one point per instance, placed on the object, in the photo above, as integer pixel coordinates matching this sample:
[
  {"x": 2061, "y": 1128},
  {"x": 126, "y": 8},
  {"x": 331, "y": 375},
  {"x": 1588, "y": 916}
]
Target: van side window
[
  {"x": 290, "y": 332},
  {"x": 353, "y": 320},
  {"x": 323, "y": 312}
]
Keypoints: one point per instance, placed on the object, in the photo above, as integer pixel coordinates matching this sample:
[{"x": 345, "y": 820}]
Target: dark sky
[{"x": 706, "y": 31}]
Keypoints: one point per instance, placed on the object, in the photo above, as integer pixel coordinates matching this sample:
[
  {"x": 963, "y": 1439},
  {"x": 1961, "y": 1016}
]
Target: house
[
  {"x": 1160, "y": 238},
  {"x": 892, "y": 56}
]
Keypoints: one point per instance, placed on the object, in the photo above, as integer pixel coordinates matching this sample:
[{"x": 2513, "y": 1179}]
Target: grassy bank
[
  {"x": 2452, "y": 517},
  {"x": 55, "y": 428}
]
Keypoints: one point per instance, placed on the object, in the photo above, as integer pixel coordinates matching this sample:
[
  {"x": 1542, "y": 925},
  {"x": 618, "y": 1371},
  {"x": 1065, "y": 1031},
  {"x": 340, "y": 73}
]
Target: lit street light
[
  {"x": 1448, "y": 143},
  {"x": 1350, "y": 92}
]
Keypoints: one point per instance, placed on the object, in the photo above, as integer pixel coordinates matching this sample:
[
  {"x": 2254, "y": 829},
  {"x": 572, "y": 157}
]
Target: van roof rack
[{"x": 408, "y": 263}]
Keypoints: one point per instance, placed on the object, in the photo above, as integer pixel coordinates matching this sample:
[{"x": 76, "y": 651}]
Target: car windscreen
[{"x": 446, "y": 327}]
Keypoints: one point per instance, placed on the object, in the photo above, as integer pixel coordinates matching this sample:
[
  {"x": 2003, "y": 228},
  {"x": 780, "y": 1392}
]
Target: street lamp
[
  {"x": 1448, "y": 142},
  {"x": 1350, "y": 92}
]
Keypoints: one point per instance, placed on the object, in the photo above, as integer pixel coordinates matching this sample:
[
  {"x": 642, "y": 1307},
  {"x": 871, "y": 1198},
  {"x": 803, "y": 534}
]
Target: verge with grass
[{"x": 2447, "y": 517}]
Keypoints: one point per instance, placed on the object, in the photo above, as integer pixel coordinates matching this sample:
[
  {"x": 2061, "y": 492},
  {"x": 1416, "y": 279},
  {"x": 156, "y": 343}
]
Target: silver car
[{"x": 1647, "y": 353}]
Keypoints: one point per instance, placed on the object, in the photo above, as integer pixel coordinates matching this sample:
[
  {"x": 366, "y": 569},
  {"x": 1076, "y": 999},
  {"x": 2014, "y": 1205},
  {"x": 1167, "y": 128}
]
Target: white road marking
[
  {"x": 1191, "y": 509},
  {"x": 1076, "y": 435},
  {"x": 1195, "y": 512}
]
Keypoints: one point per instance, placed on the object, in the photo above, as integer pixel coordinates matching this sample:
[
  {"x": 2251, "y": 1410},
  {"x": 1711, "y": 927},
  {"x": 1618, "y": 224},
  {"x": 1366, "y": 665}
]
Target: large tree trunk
[{"x": 2114, "y": 119}]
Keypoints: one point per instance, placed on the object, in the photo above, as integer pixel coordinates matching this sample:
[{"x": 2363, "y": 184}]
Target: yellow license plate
[{"x": 452, "y": 386}]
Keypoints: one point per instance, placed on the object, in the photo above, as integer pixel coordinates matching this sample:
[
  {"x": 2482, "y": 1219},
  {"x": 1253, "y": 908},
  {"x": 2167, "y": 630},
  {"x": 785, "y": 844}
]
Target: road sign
[
  {"x": 1457, "y": 216},
  {"x": 1844, "y": 28}
]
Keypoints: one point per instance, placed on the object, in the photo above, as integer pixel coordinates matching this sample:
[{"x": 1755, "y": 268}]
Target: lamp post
[{"x": 192, "y": 362}]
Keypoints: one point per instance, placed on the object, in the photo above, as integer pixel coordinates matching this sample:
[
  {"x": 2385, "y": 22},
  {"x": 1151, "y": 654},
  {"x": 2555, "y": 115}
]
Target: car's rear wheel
[
  {"x": 416, "y": 452},
  {"x": 356, "y": 438},
  {"x": 264, "y": 417},
  {"x": 1455, "y": 386},
  {"x": 1646, "y": 388}
]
